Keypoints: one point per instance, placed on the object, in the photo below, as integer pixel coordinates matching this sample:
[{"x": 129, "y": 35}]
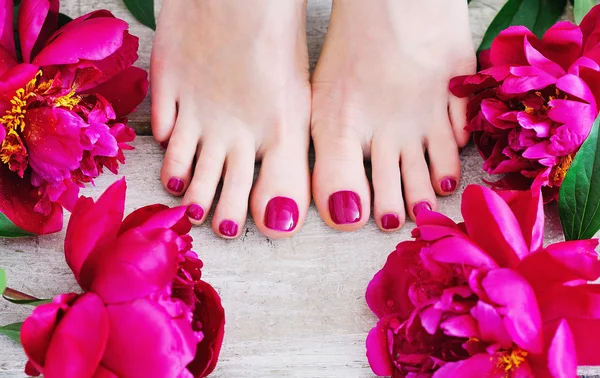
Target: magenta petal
[
  {"x": 478, "y": 366},
  {"x": 575, "y": 86},
  {"x": 460, "y": 326},
  {"x": 92, "y": 39},
  {"x": 378, "y": 353},
  {"x": 125, "y": 91},
  {"x": 94, "y": 225},
  {"x": 528, "y": 209},
  {"x": 562, "y": 361},
  {"x": 536, "y": 59},
  {"x": 103, "y": 372},
  {"x": 491, "y": 223},
  {"x": 7, "y": 38},
  {"x": 147, "y": 341},
  {"x": 79, "y": 341},
  {"x": 577, "y": 119},
  {"x": 460, "y": 250},
  {"x": 491, "y": 326},
  {"x": 37, "y": 20},
  {"x": 518, "y": 305},
  {"x": 138, "y": 264},
  {"x": 562, "y": 43},
  {"x": 7, "y": 61},
  {"x": 525, "y": 79},
  {"x": 586, "y": 333},
  {"x": 509, "y": 48}
]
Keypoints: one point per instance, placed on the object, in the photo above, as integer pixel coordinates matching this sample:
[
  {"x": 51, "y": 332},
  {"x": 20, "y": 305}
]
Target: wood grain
[{"x": 295, "y": 308}]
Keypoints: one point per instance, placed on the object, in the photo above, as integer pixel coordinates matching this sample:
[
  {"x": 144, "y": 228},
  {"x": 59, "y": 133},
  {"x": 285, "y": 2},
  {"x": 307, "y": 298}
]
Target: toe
[
  {"x": 388, "y": 205},
  {"x": 457, "y": 111},
  {"x": 230, "y": 213},
  {"x": 281, "y": 195},
  {"x": 177, "y": 166},
  {"x": 340, "y": 187},
  {"x": 207, "y": 174},
  {"x": 418, "y": 192},
  {"x": 164, "y": 105},
  {"x": 444, "y": 162}
]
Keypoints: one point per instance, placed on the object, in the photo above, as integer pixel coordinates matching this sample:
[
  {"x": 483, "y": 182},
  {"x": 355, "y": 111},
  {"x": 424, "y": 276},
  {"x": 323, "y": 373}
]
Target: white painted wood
[{"x": 295, "y": 308}]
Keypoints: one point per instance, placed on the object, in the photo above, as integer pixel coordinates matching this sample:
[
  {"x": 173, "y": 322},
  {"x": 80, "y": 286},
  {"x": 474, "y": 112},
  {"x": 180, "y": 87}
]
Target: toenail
[
  {"x": 196, "y": 212},
  {"x": 228, "y": 228},
  {"x": 175, "y": 185},
  {"x": 390, "y": 221},
  {"x": 281, "y": 214},
  {"x": 448, "y": 185},
  {"x": 344, "y": 207},
  {"x": 164, "y": 144},
  {"x": 420, "y": 207}
]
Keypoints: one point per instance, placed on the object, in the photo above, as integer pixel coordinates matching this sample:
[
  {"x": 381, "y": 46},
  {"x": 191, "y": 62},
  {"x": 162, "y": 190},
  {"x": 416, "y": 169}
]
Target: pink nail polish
[
  {"x": 164, "y": 144},
  {"x": 390, "y": 221},
  {"x": 281, "y": 214},
  {"x": 194, "y": 211},
  {"x": 175, "y": 185},
  {"x": 420, "y": 207},
  {"x": 448, "y": 185},
  {"x": 345, "y": 207},
  {"x": 228, "y": 228}
]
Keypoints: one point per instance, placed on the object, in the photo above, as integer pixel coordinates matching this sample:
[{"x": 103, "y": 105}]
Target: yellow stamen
[
  {"x": 67, "y": 101},
  {"x": 509, "y": 361},
  {"x": 560, "y": 170}
]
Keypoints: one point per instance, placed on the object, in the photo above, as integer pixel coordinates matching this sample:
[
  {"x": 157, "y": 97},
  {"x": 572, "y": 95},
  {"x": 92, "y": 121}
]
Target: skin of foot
[
  {"x": 380, "y": 91},
  {"x": 230, "y": 86}
]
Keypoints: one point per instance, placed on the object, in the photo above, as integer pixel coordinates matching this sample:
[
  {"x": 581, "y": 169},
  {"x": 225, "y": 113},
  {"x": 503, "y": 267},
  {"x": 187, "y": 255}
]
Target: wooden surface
[{"x": 295, "y": 308}]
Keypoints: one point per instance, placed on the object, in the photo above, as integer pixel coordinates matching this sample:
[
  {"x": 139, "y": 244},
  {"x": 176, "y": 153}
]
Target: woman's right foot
[{"x": 230, "y": 85}]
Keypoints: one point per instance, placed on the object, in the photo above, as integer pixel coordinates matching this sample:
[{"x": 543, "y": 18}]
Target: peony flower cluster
[
  {"x": 145, "y": 311},
  {"x": 485, "y": 298},
  {"x": 534, "y": 104},
  {"x": 64, "y": 96}
]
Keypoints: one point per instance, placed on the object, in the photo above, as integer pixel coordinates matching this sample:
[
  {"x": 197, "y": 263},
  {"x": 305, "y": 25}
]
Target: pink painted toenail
[
  {"x": 175, "y": 185},
  {"x": 390, "y": 221},
  {"x": 281, "y": 214},
  {"x": 228, "y": 228},
  {"x": 345, "y": 207},
  {"x": 196, "y": 212},
  {"x": 420, "y": 207},
  {"x": 448, "y": 185},
  {"x": 164, "y": 144}
]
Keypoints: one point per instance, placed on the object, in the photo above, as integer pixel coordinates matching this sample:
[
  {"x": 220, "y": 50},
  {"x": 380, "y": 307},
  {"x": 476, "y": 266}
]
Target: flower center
[
  {"x": 511, "y": 360},
  {"x": 560, "y": 170},
  {"x": 13, "y": 151}
]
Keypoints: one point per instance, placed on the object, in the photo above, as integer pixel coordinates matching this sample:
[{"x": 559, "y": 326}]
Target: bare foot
[
  {"x": 230, "y": 85},
  {"x": 380, "y": 90}
]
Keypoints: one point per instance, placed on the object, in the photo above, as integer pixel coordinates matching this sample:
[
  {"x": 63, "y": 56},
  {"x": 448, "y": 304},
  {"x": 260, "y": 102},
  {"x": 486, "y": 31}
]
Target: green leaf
[
  {"x": 581, "y": 8},
  {"x": 536, "y": 15},
  {"x": 30, "y": 302},
  {"x": 13, "y": 331},
  {"x": 2, "y": 280},
  {"x": 9, "y": 230},
  {"x": 143, "y": 11},
  {"x": 579, "y": 197}
]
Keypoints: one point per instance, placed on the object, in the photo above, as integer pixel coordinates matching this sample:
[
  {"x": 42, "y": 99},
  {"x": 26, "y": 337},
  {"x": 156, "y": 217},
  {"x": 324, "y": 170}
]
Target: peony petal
[
  {"x": 211, "y": 314},
  {"x": 93, "y": 225},
  {"x": 525, "y": 79},
  {"x": 90, "y": 39},
  {"x": 7, "y": 61},
  {"x": 14, "y": 79},
  {"x": 79, "y": 340},
  {"x": 562, "y": 43},
  {"x": 7, "y": 38},
  {"x": 37, "y": 20},
  {"x": 480, "y": 365},
  {"x": 518, "y": 306},
  {"x": 491, "y": 326},
  {"x": 528, "y": 209},
  {"x": 536, "y": 59},
  {"x": 103, "y": 372},
  {"x": 508, "y": 46},
  {"x": 124, "y": 91},
  {"x": 378, "y": 354},
  {"x": 460, "y": 326},
  {"x": 562, "y": 361},
  {"x": 575, "y": 86},
  {"x": 460, "y": 250},
  {"x": 137, "y": 264},
  {"x": 145, "y": 341},
  {"x": 491, "y": 223},
  {"x": 590, "y": 30},
  {"x": 591, "y": 76},
  {"x": 141, "y": 215},
  {"x": 387, "y": 293},
  {"x": 173, "y": 218},
  {"x": 18, "y": 199},
  {"x": 561, "y": 301},
  {"x": 577, "y": 119},
  {"x": 586, "y": 333}
]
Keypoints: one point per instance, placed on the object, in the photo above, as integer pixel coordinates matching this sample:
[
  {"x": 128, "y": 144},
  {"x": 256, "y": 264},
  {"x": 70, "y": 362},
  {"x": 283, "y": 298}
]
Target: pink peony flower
[
  {"x": 63, "y": 102},
  {"x": 470, "y": 299},
  {"x": 162, "y": 319},
  {"x": 535, "y": 102}
]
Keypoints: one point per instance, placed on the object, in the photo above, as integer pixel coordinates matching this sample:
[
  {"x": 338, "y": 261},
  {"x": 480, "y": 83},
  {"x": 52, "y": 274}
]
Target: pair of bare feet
[{"x": 231, "y": 85}]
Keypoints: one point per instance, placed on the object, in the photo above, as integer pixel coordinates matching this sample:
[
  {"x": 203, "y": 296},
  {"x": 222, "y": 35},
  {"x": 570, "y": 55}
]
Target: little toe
[
  {"x": 179, "y": 158},
  {"x": 418, "y": 192},
  {"x": 207, "y": 174},
  {"x": 281, "y": 195},
  {"x": 444, "y": 161},
  {"x": 340, "y": 187},
  {"x": 231, "y": 211},
  {"x": 388, "y": 206}
]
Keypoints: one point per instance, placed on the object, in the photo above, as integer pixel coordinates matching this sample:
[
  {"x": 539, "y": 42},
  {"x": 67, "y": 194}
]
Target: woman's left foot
[{"x": 380, "y": 90}]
